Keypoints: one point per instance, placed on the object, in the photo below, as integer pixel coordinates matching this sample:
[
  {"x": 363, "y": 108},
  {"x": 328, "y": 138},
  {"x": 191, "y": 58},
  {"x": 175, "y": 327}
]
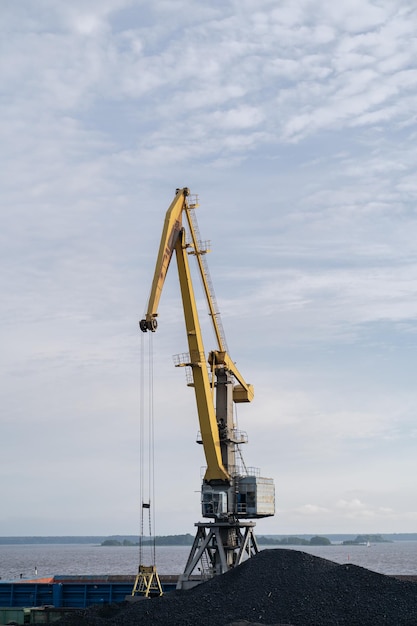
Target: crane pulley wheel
[{"x": 146, "y": 325}]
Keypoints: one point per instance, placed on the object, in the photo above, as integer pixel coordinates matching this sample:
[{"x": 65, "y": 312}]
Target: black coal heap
[{"x": 274, "y": 587}]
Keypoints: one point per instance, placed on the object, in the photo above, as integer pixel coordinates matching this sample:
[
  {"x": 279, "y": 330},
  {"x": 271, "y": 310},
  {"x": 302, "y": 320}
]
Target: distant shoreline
[{"x": 171, "y": 539}]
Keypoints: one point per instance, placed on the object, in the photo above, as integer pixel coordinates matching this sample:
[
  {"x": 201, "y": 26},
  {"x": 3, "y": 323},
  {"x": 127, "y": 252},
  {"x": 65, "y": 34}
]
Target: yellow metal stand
[{"x": 147, "y": 581}]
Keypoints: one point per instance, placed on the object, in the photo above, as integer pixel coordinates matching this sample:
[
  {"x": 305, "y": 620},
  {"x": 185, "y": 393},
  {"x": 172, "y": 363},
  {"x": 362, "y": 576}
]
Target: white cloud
[
  {"x": 311, "y": 509},
  {"x": 351, "y": 505},
  {"x": 240, "y": 118}
]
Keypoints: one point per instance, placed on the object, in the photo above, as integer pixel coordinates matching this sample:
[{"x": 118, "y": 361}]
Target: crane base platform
[{"x": 217, "y": 547}]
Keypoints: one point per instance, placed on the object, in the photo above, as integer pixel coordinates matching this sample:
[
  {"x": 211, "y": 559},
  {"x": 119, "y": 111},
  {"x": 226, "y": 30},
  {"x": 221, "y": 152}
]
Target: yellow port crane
[{"x": 230, "y": 491}]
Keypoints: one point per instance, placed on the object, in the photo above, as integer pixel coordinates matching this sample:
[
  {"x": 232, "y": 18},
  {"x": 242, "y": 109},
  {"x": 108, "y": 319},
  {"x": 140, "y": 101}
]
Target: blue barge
[
  {"x": 72, "y": 591},
  {"x": 24, "y": 600}
]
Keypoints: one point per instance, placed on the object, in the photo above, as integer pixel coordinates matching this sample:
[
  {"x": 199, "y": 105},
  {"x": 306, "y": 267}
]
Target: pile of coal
[{"x": 275, "y": 587}]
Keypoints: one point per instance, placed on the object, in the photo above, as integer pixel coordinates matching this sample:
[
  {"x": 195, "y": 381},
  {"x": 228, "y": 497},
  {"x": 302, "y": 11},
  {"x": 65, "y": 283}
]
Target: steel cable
[{"x": 146, "y": 449}]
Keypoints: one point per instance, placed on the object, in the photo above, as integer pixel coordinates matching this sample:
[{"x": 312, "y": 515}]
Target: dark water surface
[{"x": 399, "y": 557}]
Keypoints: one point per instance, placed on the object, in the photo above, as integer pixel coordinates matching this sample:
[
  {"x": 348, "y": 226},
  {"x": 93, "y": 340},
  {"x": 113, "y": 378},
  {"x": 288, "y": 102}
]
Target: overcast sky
[{"x": 295, "y": 122}]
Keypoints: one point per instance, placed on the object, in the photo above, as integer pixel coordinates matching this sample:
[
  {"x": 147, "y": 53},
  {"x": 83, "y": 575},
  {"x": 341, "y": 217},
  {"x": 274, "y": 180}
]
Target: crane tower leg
[{"x": 217, "y": 547}]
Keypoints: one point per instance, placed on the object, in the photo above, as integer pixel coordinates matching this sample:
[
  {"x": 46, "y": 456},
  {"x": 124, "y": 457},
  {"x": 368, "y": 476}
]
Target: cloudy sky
[{"x": 295, "y": 122}]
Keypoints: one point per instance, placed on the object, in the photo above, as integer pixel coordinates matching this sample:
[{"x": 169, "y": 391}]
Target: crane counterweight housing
[
  {"x": 252, "y": 497},
  {"x": 230, "y": 492}
]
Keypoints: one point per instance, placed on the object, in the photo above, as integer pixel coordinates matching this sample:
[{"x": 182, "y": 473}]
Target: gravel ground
[{"x": 275, "y": 587}]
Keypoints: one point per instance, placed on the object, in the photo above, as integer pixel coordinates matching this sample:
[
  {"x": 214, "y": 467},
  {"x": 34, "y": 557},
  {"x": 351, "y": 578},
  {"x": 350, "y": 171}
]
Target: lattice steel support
[{"x": 217, "y": 547}]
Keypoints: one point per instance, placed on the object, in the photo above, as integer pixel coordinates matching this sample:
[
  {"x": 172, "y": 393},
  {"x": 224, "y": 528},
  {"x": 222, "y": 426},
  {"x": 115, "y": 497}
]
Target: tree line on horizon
[{"x": 187, "y": 540}]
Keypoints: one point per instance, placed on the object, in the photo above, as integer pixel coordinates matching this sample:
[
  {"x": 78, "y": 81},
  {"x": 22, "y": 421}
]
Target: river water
[{"x": 29, "y": 561}]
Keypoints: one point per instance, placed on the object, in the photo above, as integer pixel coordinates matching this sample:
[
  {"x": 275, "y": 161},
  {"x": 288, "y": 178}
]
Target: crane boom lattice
[{"x": 200, "y": 250}]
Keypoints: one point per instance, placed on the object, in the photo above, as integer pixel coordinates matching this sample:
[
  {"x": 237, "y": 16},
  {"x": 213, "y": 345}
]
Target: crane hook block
[{"x": 146, "y": 325}]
